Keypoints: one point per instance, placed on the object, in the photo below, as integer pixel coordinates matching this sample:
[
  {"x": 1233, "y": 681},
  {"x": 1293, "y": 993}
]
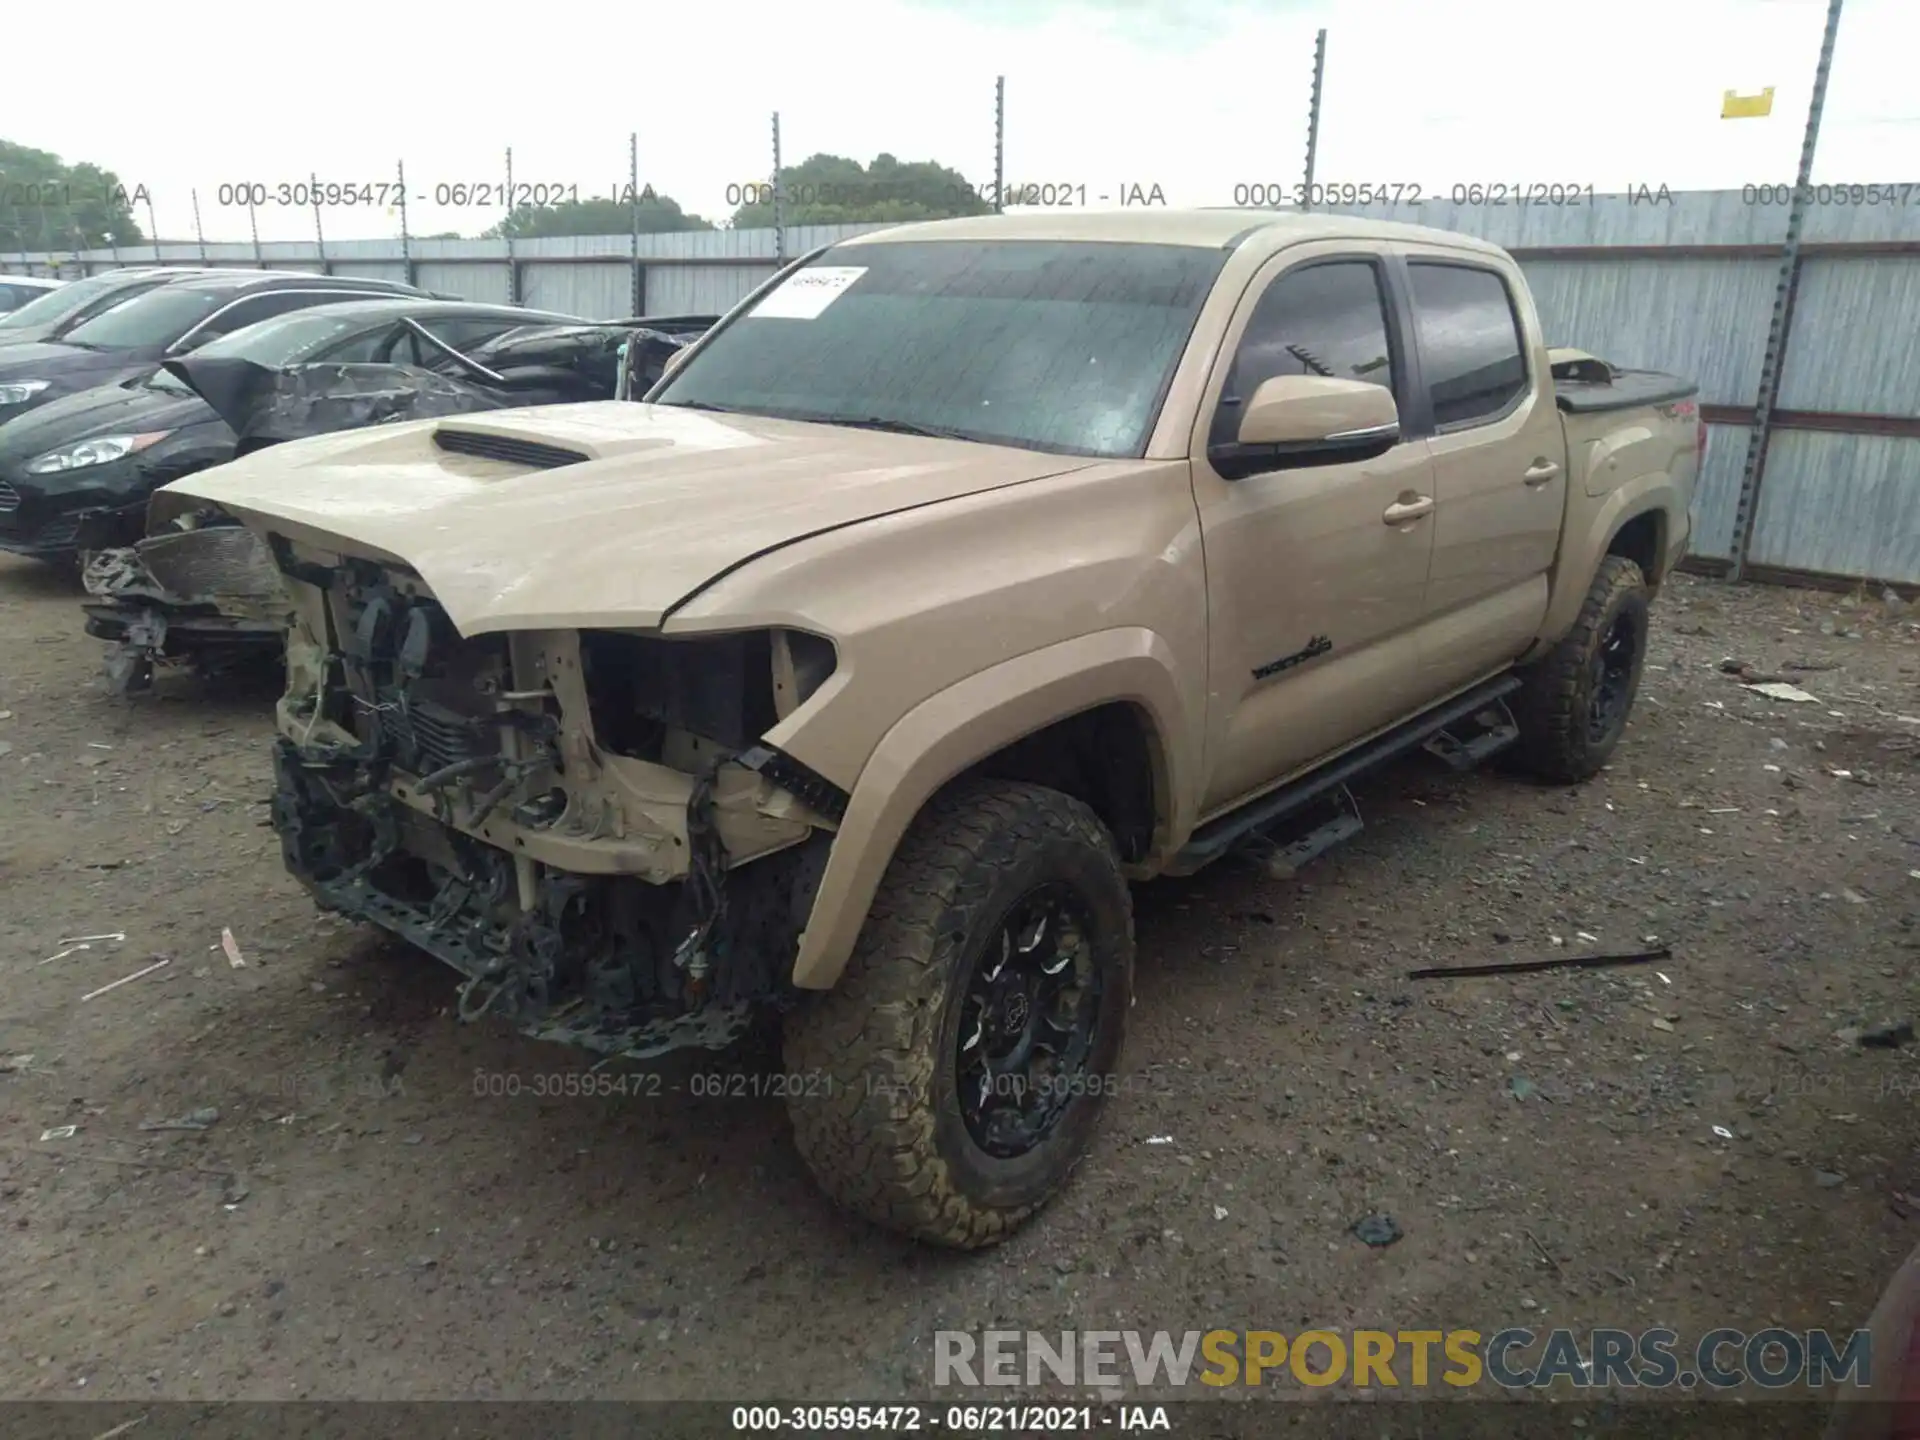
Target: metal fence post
[
  {"x": 406, "y": 244},
  {"x": 199, "y": 230},
  {"x": 513, "y": 263},
  {"x": 1780, "y": 328},
  {"x": 253, "y": 223},
  {"x": 779, "y": 198},
  {"x": 638, "y": 299},
  {"x": 153, "y": 230},
  {"x": 319, "y": 235},
  {"x": 1313, "y": 117},
  {"x": 999, "y": 141}
]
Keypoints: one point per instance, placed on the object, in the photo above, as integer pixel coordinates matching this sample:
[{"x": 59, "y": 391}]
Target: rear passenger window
[
  {"x": 1326, "y": 319},
  {"x": 1470, "y": 350}
]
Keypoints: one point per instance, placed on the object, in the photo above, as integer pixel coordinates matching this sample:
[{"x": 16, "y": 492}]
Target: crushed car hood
[
  {"x": 540, "y": 365},
  {"x": 265, "y": 405},
  {"x": 665, "y": 500}
]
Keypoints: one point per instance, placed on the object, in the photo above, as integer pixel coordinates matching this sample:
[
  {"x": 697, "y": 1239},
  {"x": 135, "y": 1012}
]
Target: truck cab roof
[{"x": 1227, "y": 229}]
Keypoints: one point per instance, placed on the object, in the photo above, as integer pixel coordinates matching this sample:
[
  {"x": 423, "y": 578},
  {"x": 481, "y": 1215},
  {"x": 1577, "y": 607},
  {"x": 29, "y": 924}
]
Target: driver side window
[{"x": 1320, "y": 319}]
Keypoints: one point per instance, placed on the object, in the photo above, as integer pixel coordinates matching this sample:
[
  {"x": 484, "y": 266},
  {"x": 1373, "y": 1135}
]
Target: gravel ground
[{"x": 367, "y": 1219}]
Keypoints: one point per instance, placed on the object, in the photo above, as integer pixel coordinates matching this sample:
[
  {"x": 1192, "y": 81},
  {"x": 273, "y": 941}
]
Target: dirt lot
[{"x": 368, "y": 1218}]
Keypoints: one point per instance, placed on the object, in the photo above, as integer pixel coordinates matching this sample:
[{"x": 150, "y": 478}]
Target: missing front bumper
[{"x": 598, "y": 961}]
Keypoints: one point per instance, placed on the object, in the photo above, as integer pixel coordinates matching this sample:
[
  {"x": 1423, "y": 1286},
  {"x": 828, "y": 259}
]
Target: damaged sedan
[
  {"x": 80, "y": 470},
  {"x": 200, "y": 589}
]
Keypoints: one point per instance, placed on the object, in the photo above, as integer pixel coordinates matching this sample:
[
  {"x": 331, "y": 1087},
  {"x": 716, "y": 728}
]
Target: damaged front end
[
  {"x": 583, "y": 824},
  {"x": 206, "y": 593}
]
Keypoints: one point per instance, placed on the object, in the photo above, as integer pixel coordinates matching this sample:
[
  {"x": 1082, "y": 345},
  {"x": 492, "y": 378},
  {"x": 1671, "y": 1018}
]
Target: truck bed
[{"x": 1583, "y": 384}]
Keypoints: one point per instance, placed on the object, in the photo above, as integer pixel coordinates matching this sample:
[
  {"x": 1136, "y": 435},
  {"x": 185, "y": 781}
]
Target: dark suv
[
  {"x": 132, "y": 338},
  {"x": 49, "y": 316}
]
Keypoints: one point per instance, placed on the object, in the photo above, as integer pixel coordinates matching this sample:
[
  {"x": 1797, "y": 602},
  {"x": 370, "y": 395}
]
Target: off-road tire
[
  {"x": 1552, "y": 704},
  {"x": 875, "y": 1111}
]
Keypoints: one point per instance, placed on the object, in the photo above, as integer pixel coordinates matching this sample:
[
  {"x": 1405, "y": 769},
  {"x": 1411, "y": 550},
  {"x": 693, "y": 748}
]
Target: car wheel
[
  {"x": 947, "y": 1085},
  {"x": 1573, "y": 704}
]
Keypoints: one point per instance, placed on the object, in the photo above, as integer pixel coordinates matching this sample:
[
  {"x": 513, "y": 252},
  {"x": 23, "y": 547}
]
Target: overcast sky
[{"x": 1197, "y": 96}]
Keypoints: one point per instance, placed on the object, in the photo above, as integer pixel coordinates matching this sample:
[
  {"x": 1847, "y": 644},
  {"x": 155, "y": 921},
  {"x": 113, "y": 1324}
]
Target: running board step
[
  {"x": 1340, "y": 820},
  {"x": 1477, "y": 740},
  {"x": 1223, "y": 832}
]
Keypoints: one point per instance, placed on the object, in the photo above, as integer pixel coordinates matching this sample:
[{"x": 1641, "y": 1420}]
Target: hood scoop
[{"x": 513, "y": 451}]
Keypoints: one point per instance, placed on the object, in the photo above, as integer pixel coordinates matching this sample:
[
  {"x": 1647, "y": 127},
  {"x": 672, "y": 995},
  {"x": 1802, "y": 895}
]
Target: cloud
[{"x": 1196, "y": 96}]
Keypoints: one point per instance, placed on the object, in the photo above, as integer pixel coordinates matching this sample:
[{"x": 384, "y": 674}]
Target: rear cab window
[{"x": 1472, "y": 355}]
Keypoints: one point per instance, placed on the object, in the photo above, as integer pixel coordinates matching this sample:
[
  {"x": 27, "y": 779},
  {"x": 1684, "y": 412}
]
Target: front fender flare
[{"x": 953, "y": 729}]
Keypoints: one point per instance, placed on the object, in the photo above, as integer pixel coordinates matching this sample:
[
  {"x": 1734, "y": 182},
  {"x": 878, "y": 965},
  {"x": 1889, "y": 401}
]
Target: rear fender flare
[
  {"x": 953, "y": 729},
  {"x": 1582, "y": 549}
]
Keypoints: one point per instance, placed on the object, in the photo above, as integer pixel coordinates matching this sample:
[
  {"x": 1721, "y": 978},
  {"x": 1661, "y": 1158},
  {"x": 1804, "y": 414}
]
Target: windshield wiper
[
  {"x": 703, "y": 405},
  {"x": 893, "y": 427}
]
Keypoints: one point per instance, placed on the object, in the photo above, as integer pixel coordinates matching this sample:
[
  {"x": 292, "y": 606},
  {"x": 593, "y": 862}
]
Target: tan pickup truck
[{"x": 964, "y": 573}]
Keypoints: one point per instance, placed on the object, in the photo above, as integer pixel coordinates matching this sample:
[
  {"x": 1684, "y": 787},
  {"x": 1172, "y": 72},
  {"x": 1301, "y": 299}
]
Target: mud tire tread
[
  {"x": 1551, "y": 704},
  {"x": 870, "y": 1044}
]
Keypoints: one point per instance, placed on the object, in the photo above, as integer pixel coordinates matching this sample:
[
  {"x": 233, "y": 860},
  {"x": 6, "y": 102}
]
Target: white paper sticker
[{"x": 807, "y": 292}]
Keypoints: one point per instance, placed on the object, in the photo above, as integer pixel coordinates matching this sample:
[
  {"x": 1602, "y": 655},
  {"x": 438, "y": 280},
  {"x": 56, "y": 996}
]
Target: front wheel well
[{"x": 1108, "y": 758}]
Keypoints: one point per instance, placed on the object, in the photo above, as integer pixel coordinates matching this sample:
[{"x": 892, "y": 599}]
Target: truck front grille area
[
  {"x": 9, "y": 498},
  {"x": 417, "y": 694}
]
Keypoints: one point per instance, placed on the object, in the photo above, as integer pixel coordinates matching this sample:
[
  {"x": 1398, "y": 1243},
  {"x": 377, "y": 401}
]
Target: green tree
[
  {"x": 46, "y": 204},
  {"x": 657, "y": 214},
  {"x": 834, "y": 190}
]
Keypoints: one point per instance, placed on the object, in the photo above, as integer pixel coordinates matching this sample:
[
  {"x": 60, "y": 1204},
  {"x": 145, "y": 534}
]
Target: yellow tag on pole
[{"x": 1735, "y": 106}]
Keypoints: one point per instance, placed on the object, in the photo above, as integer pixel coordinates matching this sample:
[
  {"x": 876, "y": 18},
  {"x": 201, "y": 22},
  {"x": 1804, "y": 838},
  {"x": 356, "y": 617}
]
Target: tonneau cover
[{"x": 1583, "y": 384}]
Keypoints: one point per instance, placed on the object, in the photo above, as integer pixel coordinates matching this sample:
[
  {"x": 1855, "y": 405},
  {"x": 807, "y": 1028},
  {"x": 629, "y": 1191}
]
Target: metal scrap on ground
[{"x": 1522, "y": 967}]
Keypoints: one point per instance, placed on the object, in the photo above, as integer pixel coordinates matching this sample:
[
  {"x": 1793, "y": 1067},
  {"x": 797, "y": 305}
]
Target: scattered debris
[
  {"x": 61, "y": 955},
  {"x": 232, "y": 947},
  {"x": 1377, "y": 1230},
  {"x": 1521, "y": 1087},
  {"x": 15, "y": 1064},
  {"x": 1159, "y": 1140},
  {"x": 1723, "y": 1132},
  {"x": 1889, "y": 1036},
  {"x": 1219, "y": 1212},
  {"x": 1519, "y": 967},
  {"x": 160, "y": 964},
  {"x": 1544, "y": 1255},
  {"x": 1660, "y": 1022},
  {"x": 193, "y": 1120},
  {"x": 1778, "y": 690},
  {"x": 1828, "y": 1179},
  {"x": 90, "y": 939},
  {"x": 60, "y": 1132}
]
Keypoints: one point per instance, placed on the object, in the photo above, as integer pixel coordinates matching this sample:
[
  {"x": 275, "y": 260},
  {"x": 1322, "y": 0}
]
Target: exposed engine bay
[{"x": 585, "y": 825}]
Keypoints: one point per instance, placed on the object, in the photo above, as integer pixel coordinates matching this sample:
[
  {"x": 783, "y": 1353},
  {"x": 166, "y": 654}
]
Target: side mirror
[{"x": 1294, "y": 420}]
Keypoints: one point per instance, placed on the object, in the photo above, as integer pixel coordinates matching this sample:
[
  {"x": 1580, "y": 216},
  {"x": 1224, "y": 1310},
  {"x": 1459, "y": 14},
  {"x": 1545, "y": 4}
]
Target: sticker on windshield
[{"x": 806, "y": 293}]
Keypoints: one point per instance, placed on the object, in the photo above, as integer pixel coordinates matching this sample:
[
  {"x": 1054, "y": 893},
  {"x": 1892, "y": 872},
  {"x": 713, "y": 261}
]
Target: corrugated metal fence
[{"x": 1678, "y": 281}]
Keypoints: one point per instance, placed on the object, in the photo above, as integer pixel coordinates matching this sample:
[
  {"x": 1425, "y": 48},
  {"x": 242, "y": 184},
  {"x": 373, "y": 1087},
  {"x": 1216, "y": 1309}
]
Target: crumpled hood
[{"x": 668, "y": 499}]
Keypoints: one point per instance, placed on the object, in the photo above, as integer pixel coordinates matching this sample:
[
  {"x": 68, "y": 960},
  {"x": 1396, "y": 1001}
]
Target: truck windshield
[{"x": 1048, "y": 345}]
